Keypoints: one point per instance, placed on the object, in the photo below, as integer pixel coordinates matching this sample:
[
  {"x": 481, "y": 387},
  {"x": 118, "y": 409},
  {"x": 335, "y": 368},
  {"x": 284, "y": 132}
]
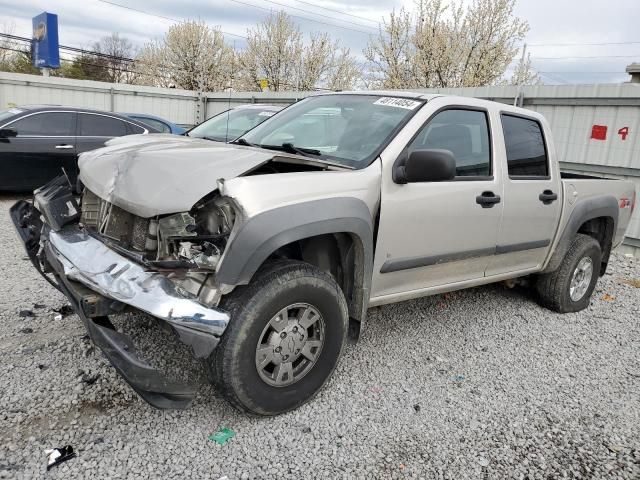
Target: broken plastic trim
[
  {"x": 56, "y": 456},
  {"x": 90, "y": 262},
  {"x": 152, "y": 385}
]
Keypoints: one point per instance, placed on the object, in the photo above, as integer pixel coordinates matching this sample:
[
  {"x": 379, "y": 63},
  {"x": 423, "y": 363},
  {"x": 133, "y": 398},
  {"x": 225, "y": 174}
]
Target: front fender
[{"x": 259, "y": 236}]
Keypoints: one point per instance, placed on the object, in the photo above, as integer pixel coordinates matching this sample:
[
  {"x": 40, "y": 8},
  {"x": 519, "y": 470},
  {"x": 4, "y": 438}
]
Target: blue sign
[{"x": 44, "y": 45}]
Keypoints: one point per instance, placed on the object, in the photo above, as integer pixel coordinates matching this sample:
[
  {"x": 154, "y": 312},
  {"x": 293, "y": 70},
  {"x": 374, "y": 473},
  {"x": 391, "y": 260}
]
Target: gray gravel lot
[{"x": 475, "y": 384}]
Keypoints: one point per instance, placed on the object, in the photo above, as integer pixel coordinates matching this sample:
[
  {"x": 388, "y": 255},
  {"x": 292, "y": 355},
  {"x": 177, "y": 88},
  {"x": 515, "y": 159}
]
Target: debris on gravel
[{"x": 481, "y": 383}]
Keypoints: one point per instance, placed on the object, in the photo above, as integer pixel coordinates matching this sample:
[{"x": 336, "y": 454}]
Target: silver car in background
[{"x": 233, "y": 123}]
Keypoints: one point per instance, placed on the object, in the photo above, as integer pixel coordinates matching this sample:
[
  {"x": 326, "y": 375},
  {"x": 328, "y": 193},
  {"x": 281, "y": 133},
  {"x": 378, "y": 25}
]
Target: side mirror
[
  {"x": 427, "y": 166},
  {"x": 8, "y": 132}
]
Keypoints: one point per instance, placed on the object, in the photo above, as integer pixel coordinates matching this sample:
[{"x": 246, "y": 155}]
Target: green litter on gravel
[{"x": 222, "y": 436}]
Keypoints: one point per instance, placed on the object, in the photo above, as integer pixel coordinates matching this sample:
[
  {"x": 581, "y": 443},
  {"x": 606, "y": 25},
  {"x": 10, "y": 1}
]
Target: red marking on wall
[
  {"x": 599, "y": 132},
  {"x": 623, "y": 132}
]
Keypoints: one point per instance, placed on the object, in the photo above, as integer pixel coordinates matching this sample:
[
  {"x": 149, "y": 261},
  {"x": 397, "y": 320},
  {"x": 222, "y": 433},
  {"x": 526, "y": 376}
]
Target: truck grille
[{"x": 111, "y": 221}]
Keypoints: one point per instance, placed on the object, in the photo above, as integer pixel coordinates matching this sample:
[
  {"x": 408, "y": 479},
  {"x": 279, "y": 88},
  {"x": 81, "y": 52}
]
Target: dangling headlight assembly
[{"x": 195, "y": 240}]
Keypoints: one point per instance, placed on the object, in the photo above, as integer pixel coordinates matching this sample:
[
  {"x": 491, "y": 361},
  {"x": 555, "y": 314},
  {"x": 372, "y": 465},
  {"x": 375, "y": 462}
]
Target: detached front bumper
[{"x": 98, "y": 282}]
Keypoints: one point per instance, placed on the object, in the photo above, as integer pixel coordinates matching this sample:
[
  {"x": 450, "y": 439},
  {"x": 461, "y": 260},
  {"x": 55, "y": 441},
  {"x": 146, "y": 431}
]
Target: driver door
[{"x": 433, "y": 234}]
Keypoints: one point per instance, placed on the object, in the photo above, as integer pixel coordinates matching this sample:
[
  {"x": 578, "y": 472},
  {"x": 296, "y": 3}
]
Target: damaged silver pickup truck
[{"x": 263, "y": 255}]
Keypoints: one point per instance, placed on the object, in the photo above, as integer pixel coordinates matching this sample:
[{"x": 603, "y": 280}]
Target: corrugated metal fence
[
  {"x": 179, "y": 106},
  {"x": 596, "y": 127}
]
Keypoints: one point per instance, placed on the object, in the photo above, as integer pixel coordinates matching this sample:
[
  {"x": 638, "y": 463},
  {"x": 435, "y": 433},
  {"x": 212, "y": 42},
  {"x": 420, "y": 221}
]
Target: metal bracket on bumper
[{"x": 84, "y": 269}]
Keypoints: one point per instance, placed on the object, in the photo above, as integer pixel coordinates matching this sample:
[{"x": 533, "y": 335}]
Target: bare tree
[
  {"x": 15, "y": 56},
  {"x": 273, "y": 52},
  {"x": 8, "y": 46},
  {"x": 191, "y": 55},
  {"x": 344, "y": 72},
  {"x": 150, "y": 63},
  {"x": 277, "y": 52},
  {"x": 114, "y": 56},
  {"x": 445, "y": 44},
  {"x": 389, "y": 53},
  {"x": 524, "y": 73}
]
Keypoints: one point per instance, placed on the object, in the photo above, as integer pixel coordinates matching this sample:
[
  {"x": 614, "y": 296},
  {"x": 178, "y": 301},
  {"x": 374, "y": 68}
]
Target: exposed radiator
[{"x": 113, "y": 222}]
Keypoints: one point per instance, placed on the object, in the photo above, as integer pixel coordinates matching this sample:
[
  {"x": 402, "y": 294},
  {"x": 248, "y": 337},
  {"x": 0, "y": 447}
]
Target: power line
[
  {"x": 587, "y": 57},
  {"x": 161, "y": 16},
  {"x": 300, "y": 16},
  {"x": 246, "y": 4},
  {"x": 338, "y": 11},
  {"x": 581, "y": 44},
  {"x": 586, "y": 73},
  {"x": 318, "y": 14},
  {"x": 551, "y": 77},
  {"x": 82, "y": 62},
  {"x": 72, "y": 49}
]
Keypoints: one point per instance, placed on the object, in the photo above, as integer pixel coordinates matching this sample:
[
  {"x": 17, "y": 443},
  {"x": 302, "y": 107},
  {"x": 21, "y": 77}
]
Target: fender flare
[
  {"x": 585, "y": 210},
  {"x": 261, "y": 235}
]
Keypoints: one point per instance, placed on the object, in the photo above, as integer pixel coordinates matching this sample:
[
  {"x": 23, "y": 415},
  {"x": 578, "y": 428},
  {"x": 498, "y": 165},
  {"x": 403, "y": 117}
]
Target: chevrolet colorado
[{"x": 264, "y": 254}]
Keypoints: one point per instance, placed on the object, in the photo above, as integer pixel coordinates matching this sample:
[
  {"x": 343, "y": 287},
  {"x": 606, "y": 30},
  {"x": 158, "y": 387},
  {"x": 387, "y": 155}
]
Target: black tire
[
  {"x": 232, "y": 365},
  {"x": 554, "y": 288}
]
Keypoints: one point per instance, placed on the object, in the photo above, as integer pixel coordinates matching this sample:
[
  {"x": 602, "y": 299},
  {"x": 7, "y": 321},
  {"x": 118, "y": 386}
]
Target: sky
[{"x": 570, "y": 41}]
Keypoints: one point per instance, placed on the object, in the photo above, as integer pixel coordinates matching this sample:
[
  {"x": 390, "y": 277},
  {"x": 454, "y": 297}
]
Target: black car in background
[{"x": 37, "y": 142}]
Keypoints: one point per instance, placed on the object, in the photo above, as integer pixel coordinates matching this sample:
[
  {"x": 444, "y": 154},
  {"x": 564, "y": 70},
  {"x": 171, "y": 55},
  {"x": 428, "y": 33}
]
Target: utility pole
[{"x": 517, "y": 101}]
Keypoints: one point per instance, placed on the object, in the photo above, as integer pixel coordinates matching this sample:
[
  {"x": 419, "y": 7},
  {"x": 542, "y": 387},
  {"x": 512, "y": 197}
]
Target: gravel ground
[{"x": 475, "y": 384}]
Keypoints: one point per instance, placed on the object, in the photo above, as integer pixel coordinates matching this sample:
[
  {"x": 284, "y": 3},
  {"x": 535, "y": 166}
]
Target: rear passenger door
[
  {"x": 532, "y": 197},
  {"x": 95, "y": 129}
]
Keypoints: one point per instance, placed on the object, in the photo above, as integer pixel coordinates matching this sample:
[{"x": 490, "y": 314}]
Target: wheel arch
[
  {"x": 321, "y": 232},
  {"x": 594, "y": 216}
]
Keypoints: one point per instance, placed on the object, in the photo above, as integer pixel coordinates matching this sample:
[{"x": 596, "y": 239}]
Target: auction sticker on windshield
[{"x": 398, "y": 102}]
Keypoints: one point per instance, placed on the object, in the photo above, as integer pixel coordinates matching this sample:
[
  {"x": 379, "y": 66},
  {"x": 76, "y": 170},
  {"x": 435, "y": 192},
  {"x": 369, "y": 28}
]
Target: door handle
[
  {"x": 64, "y": 147},
  {"x": 487, "y": 199},
  {"x": 547, "y": 197}
]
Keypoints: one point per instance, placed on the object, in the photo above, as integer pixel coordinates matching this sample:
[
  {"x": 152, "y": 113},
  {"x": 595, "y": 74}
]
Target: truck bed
[{"x": 576, "y": 188}]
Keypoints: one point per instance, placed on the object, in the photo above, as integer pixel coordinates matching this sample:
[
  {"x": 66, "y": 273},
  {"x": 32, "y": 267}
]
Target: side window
[
  {"x": 526, "y": 153},
  {"x": 152, "y": 122},
  {"x": 101, "y": 126},
  {"x": 463, "y": 132},
  {"x": 51, "y": 124},
  {"x": 135, "y": 128}
]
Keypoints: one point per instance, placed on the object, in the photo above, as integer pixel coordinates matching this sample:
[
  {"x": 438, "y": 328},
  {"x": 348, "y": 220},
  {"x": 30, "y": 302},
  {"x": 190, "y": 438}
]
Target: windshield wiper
[
  {"x": 242, "y": 141},
  {"x": 291, "y": 148}
]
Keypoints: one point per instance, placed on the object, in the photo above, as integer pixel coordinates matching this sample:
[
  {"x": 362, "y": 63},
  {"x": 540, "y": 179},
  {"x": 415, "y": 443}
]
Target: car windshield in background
[
  {"x": 344, "y": 129},
  {"x": 8, "y": 113},
  {"x": 229, "y": 125}
]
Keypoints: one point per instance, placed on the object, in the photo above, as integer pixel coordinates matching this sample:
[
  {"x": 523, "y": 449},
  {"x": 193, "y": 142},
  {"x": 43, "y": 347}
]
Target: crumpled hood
[{"x": 164, "y": 173}]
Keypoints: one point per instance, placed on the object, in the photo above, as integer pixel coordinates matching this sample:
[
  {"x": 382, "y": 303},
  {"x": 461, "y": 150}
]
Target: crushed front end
[{"x": 107, "y": 261}]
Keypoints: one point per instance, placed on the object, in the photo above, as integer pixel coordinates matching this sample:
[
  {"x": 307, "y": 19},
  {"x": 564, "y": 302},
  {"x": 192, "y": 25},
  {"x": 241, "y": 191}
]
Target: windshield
[
  {"x": 8, "y": 113},
  {"x": 345, "y": 129},
  {"x": 231, "y": 124}
]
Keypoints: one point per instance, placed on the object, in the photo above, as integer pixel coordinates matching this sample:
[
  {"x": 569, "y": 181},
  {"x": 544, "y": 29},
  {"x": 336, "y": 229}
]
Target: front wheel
[
  {"x": 286, "y": 334},
  {"x": 569, "y": 288}
]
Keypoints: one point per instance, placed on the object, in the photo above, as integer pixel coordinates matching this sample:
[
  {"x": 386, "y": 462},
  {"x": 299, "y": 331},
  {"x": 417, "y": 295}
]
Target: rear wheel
[
  {"x": 569, "y": 288},
  {"x": 284, "y": 340}
]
